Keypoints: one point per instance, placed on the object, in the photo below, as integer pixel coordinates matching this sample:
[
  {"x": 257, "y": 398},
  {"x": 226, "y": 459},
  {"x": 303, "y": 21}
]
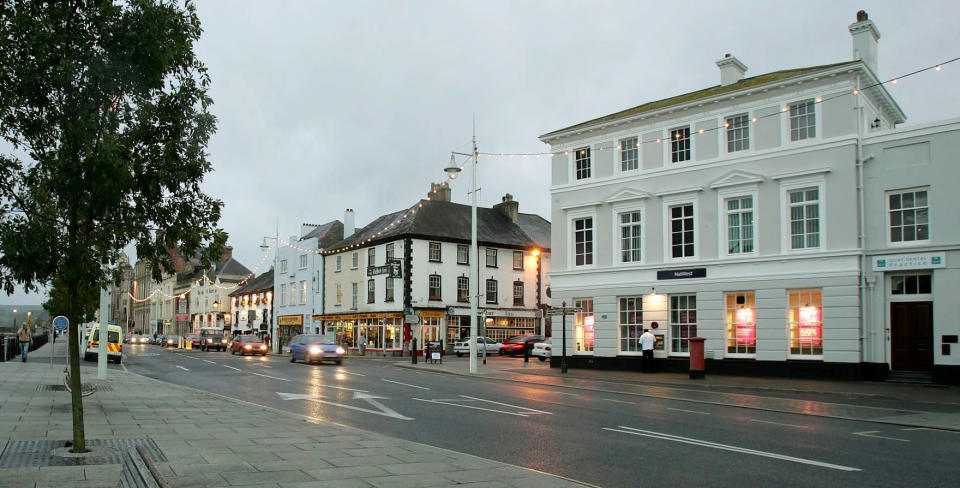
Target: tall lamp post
[
  {"x": 276, "y": 274},
  {"x": 14, "y": 319},
  {"x": 452, "y": 171}
]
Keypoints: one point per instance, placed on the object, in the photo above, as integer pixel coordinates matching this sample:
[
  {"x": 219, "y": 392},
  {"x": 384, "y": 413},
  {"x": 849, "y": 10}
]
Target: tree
[{"x": 105, "y": 105}]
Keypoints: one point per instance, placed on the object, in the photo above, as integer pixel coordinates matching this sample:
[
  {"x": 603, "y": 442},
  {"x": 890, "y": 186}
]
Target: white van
[{"x": 114, "y": 345}]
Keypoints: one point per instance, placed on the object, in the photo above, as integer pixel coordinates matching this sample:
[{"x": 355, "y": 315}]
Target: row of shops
[{"x": 388, "y": 332}]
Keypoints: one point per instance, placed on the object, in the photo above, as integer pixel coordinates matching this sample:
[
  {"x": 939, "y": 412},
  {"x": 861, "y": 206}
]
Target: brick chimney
[
  {"x": 439, "y": 192},
  {"x": 509, "y": 207},
  {"x": 865, "y": 36},
  {"x": 731, "y": 70}
]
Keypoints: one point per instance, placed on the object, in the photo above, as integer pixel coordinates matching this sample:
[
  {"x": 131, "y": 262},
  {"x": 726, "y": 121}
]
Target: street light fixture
[{"x": 452, "y": 171}]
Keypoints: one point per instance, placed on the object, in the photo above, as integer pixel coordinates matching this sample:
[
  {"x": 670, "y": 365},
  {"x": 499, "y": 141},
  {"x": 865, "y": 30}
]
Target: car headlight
[
  {"x": 169, "y": 342},
  {"x": 223, "y": 341},
  {"x": 263, "y": 348},
  {"x": 209, "y": 341},
  {"x": 248, "y": 347},
  {"x": 315, "y": 350},
  {"x": 340, "y": 350}
]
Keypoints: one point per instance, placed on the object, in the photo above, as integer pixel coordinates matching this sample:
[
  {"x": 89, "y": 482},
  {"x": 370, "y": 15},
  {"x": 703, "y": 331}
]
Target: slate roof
[
  {"x": 451, "y": 221},
  {"x": 327, "y": 234},
  {"x": 264, "y": 282},
  {"x": 229, "y": 266},
  {"x": 752, "y": 81}
]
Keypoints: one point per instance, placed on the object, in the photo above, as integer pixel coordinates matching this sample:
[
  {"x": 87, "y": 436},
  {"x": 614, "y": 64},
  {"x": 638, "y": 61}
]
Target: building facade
[
  {"x": 733, "y": 213},
  {"x": 405, "y": 276},
  {"x": 298, "y": 281},
  {"x": 252, "y": 304}
]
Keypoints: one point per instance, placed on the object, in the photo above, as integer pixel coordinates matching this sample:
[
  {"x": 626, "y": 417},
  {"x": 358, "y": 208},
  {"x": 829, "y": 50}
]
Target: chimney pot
[{"x": 731, "y": 70}]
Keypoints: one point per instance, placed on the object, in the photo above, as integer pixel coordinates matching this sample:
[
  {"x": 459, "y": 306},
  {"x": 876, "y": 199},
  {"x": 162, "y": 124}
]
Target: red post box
[{"x": 698, "y": 366}]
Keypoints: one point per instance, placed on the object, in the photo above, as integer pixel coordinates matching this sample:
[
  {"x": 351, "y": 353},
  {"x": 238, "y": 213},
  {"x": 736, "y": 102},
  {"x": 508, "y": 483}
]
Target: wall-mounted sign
[
  {"x": 679, "y": 274},
  {"x": 391, "y": 269},
  {"x": 925, "y": 260},
  {"x": 290, "y": 320}
]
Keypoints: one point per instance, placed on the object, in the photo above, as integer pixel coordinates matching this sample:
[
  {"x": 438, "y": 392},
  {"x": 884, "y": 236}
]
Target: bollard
[
  {"x": 413, "y": 351},
  {"x": 526, "y": 352},
  {"x": 698, "y": 368}
]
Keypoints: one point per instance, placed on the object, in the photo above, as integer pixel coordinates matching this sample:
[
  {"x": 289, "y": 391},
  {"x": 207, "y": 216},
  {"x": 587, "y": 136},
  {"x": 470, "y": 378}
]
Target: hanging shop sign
[
  {"x": 431, "y": 313},
  {"x": 391, "y": 269},
  {"x": 290, "y": 320},
  {"x": 679, "y": 274},
  {"x": 910, "y": 261}
]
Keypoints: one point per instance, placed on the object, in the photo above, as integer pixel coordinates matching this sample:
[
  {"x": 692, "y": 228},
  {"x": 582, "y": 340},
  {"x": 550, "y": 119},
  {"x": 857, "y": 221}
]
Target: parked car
[
  {"x": 194, "y": 340},
  {"x": 463, "y": 347},
  {"x": 248, "y": 344},
  {"x": 515, "y": 345},
  {"x": 542, "y": 350},
  {"x": 114, "y": 346},
  {"x": 315, "y": 347},
  {"x": 171, "y": 340}
]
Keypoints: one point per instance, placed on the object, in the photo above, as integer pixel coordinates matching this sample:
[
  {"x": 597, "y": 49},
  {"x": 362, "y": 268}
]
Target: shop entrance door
[{"x": 911, "y": 331}]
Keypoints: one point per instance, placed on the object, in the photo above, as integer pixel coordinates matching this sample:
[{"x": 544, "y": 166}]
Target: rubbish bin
[{"x": 698, "y": 367}]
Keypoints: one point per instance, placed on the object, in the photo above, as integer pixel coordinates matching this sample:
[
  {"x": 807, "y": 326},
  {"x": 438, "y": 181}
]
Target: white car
[
  {"x": 542, "y": 349},
  {"x": 492, "y": 347}
]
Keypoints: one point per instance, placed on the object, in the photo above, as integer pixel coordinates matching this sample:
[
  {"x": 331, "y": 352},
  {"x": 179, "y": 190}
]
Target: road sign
[
  {"x": 60, "y": 322},
  {"x": 412, "y": 319}
]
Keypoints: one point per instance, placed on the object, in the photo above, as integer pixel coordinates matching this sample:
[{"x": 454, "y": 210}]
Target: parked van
[{"x": 114, "y": 346}]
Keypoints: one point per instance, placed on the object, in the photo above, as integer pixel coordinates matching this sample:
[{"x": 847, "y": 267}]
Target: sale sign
[
  {"x": 811, "y": 330},
  {"x": 746, "y": 330}
]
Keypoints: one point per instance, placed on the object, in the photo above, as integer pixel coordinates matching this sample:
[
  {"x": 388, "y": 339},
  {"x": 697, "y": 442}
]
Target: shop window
[
  {"x": 463, "y": 289},
  {"x": 583, "y": 324},
  {"x": 517, "y": 293},
  {"x": 913, "y": 284},
  {"x": 630, "y": 320},
  {"x": 371, "y": 291},
  {"x": 805, "y": 322},
  {"x": 517, "y": 259},
  {"x": 683, "y": 322},
  {"x": 741, "y": 323},
  {"x": 434, "y": 284},
  {"x": 491, "y": 291},
  {"x": 388, "y": 290}
]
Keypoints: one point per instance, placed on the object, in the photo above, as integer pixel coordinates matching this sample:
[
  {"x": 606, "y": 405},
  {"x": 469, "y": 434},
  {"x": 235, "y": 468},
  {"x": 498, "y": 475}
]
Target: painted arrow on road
[{"x": 381, "y": 409}]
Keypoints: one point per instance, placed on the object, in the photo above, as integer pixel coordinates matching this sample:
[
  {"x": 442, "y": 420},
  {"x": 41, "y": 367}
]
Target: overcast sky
[{"x": 324, "y": 106}]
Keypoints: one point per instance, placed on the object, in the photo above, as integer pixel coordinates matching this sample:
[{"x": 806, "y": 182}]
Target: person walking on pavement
[
  {"x": 25, "y": 339},
  {"x": 362, "y": 343},
  {"x": 647, "y": 340}
]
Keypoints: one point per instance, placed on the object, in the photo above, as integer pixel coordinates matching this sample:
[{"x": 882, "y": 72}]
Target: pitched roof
[
  {"x": 326, "y": 234},
  {"x": 451, "y": 221},
  {"x": 750, "y": 82},
  {"x": 264, "y": 282}
]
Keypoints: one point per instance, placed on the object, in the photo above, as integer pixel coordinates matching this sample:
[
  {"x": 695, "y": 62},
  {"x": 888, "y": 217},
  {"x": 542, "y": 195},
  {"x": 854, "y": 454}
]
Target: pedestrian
[
  {"x": 25, "y": 339},
  {"x": 646, "y": 342},
  {"x": 362, "y": 343}
]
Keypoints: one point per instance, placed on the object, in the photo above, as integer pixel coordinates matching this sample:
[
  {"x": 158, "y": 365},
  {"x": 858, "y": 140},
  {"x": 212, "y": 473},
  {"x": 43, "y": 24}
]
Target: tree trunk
[{"x": 79, "y": 442}]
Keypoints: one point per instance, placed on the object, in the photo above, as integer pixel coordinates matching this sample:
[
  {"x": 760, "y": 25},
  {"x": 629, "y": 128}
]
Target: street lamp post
[
  {"x": 14, "y": 319},
  {"x": 276, "y": 273},
  {"x": 452, "y": 172}
]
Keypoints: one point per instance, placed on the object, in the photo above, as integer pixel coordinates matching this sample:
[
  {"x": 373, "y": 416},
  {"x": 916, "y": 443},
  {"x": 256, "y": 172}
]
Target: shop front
[
  {"x": 290, "y": 325},
  {"x": 379, "y": 332},
  {"x": 496, "y": 324}
]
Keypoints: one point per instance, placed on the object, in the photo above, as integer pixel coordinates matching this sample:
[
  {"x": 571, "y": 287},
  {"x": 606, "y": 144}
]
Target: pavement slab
[{"x": 211, "y": 441}]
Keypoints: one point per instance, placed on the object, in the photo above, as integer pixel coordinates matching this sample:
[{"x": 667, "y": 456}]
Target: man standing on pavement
[
  {"x": 24, "y": 336},
  {"x": 647, "y": 340}
]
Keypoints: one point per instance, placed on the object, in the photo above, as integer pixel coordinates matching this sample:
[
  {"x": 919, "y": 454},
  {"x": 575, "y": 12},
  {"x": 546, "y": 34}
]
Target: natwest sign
[{"x": 679, "y": 274}]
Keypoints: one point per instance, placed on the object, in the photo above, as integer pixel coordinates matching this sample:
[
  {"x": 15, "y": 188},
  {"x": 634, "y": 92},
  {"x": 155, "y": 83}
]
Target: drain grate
[
  {"x": 26, "y": 454},
  {"x": 83, "y": 386}
]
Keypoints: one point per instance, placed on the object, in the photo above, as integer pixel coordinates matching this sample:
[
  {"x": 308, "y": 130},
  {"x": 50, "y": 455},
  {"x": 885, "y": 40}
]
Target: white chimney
[
  {"x": 348, "y": 223},
  {"x": 731, "y": 70},
  {"x": 865, "y": 37}
]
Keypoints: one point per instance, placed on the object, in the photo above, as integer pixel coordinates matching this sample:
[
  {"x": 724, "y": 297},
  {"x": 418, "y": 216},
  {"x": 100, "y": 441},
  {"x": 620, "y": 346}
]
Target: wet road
[{"x": 606, "y": 439}]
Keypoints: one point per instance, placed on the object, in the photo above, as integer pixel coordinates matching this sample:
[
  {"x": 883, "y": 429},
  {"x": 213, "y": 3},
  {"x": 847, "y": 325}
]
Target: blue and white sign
[
  {"x": 60, "y": 322},
  {"x": 897, "y": 262}
]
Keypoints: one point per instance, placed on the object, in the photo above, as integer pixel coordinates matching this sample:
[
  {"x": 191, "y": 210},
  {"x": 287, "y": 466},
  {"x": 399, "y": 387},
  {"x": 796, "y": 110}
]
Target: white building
[
  {"x": 417, "y": 260},
  {"x": 251, "y": 305},
  {"x": 298, "y": 281},
  {"x": 733, "y": 213}
]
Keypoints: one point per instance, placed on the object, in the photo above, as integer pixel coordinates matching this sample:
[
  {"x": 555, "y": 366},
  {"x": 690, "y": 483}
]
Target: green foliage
[
  {"x": 106, "y": 106},
  {"x": 58, "y": 302}
]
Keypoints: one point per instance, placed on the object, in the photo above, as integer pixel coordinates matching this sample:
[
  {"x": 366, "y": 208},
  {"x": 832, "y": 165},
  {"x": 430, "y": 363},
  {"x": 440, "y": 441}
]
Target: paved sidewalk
[
  {"x": 212, "y": 441},
  {"x": 900, "y": 404}
]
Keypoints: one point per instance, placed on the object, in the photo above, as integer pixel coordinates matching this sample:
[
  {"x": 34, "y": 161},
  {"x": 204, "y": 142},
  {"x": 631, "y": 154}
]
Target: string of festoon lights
[
  {"x": 756, "y": 118},
  {"x": 203, "y": 281}
]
